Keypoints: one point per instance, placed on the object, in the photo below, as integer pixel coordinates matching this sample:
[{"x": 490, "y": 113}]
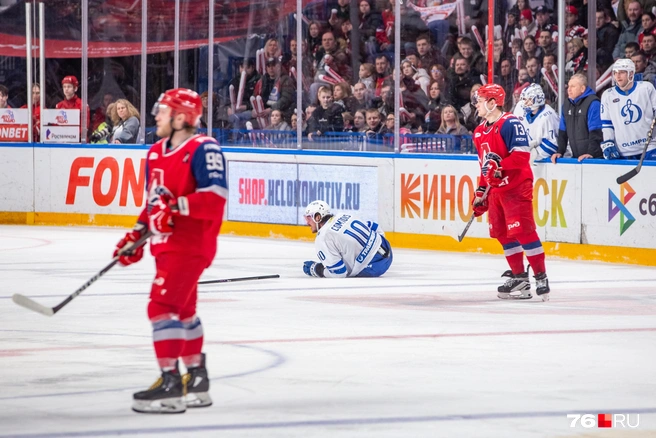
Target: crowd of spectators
[
  {"x": 347, "y": 67},
  {"x": 440, "y": 69}
]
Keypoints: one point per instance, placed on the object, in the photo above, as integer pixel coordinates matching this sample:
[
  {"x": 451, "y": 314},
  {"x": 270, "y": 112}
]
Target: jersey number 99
[{"x": 214, "y": 161}]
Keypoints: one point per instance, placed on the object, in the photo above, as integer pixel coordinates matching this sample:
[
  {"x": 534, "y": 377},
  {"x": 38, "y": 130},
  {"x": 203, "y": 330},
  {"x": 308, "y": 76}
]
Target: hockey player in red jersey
[
  {"x": 71, "y": 99},
  {"x": 187, "y": 193},
  {"x": 504, "y": 153}
]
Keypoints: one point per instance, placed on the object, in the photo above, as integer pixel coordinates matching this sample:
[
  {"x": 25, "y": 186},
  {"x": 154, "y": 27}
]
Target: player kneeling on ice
[
  {"x": 504, "y": 153},
  {"x": 187, "y": 193},
  {"x": 346, "y": 246}
]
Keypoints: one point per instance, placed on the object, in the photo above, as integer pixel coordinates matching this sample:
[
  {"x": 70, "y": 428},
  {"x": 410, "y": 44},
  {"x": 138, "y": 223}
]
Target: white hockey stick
[
  {"x": 453, "y": 233},
  {"x": 32, "y": 305}
]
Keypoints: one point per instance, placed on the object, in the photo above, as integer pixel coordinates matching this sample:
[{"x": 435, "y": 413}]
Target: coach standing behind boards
[{"x": 580, "y": 122}]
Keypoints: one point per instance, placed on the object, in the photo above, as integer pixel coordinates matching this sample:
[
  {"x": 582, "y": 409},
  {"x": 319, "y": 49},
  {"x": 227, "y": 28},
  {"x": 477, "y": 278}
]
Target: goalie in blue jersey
[{"x": 346, "y": 246}]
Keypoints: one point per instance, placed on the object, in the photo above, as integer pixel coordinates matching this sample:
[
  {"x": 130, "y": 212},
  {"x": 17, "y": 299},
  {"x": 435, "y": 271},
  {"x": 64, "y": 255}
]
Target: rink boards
[{"x": 581, "y": 211}]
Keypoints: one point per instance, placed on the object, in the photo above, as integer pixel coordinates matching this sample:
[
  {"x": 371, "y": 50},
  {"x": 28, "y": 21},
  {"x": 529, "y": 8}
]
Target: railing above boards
[{"x": 347, "y": 141}]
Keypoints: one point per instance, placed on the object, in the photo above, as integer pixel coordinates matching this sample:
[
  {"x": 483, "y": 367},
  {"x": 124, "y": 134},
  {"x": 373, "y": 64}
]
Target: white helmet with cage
[
  {"x": 532, "y": 98},
  {"x": 318, "y": 207},
  {"x": 624, "y": 64}
]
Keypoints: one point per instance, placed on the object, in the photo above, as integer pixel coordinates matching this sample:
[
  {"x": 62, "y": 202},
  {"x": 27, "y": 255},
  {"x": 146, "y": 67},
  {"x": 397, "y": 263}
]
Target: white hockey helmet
[
  {"x": 532, "y": 98},
  {"x": 318, "y": 207},
  {"x": 624, "y": 64}
]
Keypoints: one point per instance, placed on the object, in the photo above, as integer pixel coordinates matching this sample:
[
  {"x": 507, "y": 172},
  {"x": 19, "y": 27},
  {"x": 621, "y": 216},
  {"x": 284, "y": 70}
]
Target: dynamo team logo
[
  {"x": 618, "y": 205},
  {"x": 631, "y": 113}
]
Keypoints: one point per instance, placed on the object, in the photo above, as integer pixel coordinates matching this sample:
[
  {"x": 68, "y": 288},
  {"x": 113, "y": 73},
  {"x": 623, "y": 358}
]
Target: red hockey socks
[
  {"x": 534, "y": 251},
  {"x": 168, "y": 335},
  {"x": 193, "y": 342},
  {"x": 514, "y": 253}
]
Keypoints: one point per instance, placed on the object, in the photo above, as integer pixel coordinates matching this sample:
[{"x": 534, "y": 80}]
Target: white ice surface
[{"x": 426, "y": 351}]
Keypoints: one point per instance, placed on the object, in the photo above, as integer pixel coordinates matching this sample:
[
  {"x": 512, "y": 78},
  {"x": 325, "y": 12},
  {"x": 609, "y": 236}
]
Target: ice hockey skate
[
  {"x": 197, "y": 386},
  {"x": 165, "y": 396},
  {"x": 542, "y": 286},
  {"x": 516, "y": 287}
]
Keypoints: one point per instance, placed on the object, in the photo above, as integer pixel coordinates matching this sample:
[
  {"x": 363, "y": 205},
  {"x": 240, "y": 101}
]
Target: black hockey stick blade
[
  {"x": 453, "y": 233},
  {"x": 627, "y": 176},
  {"x": 232, "y": 280},
  {"x": 32, "y": 305},
  {"x": 633, "y": 172}
]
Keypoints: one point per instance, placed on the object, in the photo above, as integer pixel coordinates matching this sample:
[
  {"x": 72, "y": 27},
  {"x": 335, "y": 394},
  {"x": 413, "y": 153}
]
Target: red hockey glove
[
  {"x": 127, "y": 256},
  {"x": 160, "y": 216},
  {"x": 492, "y": 169},
  {"x": 479, "y": 204}
]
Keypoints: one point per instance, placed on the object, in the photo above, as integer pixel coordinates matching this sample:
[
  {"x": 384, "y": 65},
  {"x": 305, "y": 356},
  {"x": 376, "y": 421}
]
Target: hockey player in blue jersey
[
  {"x": 346, "y": 246},
  {"x": 540, "y": 122},
  {"x": 627, "y": 110}
]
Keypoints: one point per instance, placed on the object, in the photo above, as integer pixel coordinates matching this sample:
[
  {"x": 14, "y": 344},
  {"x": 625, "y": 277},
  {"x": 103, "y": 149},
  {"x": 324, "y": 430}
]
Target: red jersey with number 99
[
  {"x": 194, "y": 174},
  {"x": 507, "y": 138}
]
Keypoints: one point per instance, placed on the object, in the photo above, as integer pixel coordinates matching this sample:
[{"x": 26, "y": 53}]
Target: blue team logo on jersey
[{"x": 631, "y": 113}]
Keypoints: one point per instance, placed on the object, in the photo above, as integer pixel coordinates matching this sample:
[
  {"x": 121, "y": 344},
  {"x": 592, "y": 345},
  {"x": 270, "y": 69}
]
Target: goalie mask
[
  {"x": 318, "y": 207},
  {"x": 626, "y": 65},
  {"x": 532, "y": 98}
]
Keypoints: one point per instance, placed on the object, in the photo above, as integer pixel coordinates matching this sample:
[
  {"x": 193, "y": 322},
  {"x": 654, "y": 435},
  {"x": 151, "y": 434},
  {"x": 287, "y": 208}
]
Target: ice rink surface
[{"x": 426, "y": 351}]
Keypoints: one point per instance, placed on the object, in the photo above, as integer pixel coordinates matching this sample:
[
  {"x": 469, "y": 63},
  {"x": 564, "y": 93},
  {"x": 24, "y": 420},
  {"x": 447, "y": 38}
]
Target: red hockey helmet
[
  {"x": 182, "y": 101},
  {"x": 70, "y": 80},
  {"x": 492, "y": 91}
]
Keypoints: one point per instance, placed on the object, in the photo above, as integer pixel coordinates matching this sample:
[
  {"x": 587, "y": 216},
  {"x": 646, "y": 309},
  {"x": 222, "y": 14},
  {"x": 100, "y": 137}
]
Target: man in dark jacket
[
  {"x": 460, "y": 82},
  {"x": 276, "y": 89},
  {"x": 607, "y": 33},
  {"x": 580, "y": 121},
  {"x": 327, "y": 117}
]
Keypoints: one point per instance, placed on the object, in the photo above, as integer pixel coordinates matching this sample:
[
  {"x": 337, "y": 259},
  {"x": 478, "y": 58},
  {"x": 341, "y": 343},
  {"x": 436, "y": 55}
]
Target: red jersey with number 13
[{"x": 507, "y": 138}]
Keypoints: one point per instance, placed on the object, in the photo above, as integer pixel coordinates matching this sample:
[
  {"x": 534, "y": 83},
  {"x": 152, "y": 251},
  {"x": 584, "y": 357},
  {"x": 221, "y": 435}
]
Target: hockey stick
[
  {"x": 30, "y": 304},
  {"x": 232, "y": 280},
  {"x": 633, "y": 172},
  {"x": 453, "y": 233}
]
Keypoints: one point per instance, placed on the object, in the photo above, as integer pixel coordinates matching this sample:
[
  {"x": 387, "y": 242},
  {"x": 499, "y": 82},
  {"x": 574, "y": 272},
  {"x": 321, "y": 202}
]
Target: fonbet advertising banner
[
  {"x": 102, "y": 181},
  {"x": 279, "y": 192},
  {"x": 433, "y": 193},
  {"x": 13, "y": 125},
  {"x": 619, "y": 214}
]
